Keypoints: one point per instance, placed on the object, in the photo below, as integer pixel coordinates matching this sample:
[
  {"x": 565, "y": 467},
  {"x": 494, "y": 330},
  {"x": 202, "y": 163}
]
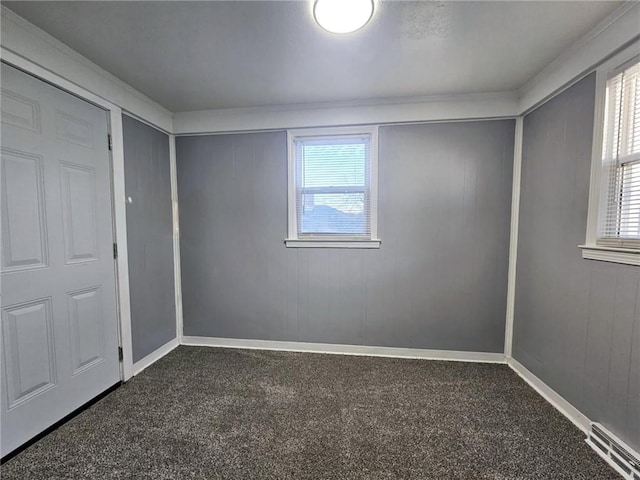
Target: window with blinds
[
  {"x": 331, "y": 187},
  {"x": 620, "y": 219}
]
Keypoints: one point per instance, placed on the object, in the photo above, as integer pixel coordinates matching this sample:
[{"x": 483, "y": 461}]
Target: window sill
[
  {"x": 318, "y": 243},
  {"x": 609, "y": 254}
]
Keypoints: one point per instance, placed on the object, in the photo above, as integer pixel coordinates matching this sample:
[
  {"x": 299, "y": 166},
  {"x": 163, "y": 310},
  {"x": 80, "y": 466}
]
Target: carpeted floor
[{"x": 211, "y": 413}]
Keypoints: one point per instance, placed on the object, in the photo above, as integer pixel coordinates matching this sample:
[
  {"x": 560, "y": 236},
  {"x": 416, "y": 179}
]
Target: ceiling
[{"x": 225, "y": 54}]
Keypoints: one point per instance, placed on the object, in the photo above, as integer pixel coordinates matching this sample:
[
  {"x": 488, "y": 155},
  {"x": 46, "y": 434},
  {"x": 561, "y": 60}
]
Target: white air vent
[{"x": 615, "y": 452}]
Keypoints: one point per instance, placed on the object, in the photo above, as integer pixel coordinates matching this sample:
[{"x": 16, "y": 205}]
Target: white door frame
[{"x": 123, "y": 304}]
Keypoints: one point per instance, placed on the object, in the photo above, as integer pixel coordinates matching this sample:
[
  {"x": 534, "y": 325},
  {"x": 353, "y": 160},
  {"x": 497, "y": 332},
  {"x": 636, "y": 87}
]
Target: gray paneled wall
[
  {"x": 577, "y": 321},
  {"x": 149, "y": 237},
  {"x": 438, "y": 281}
]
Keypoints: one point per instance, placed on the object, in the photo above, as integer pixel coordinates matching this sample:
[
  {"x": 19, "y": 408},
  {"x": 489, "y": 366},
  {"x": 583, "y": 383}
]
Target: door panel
[
  {"x": 74, "y": 130},
  {"x": 19, "y": 111},
  {"x": 79, "y": 213},
  {"x": 29, "y": 350},
  {"x": 59, "y": 325},
  {"x": 24, "y": 232},
  {"x": 87, "y": 345}
]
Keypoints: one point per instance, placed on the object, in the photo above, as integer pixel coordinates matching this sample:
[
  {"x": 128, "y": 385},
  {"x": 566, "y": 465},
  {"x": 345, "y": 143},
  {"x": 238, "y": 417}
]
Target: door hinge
[
  {"x": 109, "y": 142},
  {"x": 120, "y": 354},
  {"x": 115, "y": 250}
]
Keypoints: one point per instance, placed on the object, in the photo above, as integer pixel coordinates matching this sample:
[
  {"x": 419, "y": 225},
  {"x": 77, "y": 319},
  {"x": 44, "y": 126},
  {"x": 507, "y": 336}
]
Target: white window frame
[
  {"x": 598, "y": 189},
  {"x": 292, "y": 239}
]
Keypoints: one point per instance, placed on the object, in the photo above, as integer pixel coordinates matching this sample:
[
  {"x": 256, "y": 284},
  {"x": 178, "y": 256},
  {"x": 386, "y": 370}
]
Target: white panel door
[{"x": 59, "y": 333}]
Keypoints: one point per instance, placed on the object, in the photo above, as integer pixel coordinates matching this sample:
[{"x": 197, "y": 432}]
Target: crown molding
[
  {"x": 614, "y": 33},
  {"x": 25, "y": 40},
  {"x": 474, "y": 106}
]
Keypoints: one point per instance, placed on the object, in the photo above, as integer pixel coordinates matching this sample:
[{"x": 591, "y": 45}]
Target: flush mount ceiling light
[{"x": 342, "y": 16}]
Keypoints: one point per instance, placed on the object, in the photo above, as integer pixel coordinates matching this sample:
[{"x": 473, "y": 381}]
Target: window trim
[
  {"x": 597, "y": 190},
  {"x": 344, "y": 241}
]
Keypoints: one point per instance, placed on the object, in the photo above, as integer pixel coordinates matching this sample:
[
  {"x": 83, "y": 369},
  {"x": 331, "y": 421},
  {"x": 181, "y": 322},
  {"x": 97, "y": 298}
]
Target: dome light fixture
[{"x": 342, "y": 16}]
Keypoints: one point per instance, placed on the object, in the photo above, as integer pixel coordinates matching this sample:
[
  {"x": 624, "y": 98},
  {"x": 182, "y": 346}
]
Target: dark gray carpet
[{"x": 242, "y": 414}]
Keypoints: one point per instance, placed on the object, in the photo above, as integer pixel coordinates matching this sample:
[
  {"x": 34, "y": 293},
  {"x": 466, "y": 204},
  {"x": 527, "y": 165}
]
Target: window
[
  {"x": 614, "y": 210},
  {"x": 621, "y": 159},
  {"x": 332, "y": 188}
]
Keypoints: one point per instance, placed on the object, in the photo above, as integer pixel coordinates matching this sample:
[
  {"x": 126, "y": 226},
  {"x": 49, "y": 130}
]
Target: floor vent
[{"x": 619, "y": 456}]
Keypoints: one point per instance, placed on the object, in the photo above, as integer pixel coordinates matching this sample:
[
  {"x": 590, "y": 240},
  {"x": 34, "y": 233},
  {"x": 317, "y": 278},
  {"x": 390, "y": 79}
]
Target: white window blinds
[
  {"x": 620, "y": 222},
  {"x": 333, "y": 187}
]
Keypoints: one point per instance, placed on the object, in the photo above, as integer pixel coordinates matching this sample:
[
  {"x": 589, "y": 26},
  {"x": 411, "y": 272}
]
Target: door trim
[{"x": 119, "y": 218}]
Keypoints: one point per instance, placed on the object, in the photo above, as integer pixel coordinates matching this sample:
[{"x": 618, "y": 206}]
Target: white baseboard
[
  {"x": 154, "y": 356},
  {"x": 338, "y": 349},
  {"x": 564, "y": 407}
]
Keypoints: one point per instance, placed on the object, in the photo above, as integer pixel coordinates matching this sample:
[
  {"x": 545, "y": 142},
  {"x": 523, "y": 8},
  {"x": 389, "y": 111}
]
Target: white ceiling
[{"x": 206, "y": 55}]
